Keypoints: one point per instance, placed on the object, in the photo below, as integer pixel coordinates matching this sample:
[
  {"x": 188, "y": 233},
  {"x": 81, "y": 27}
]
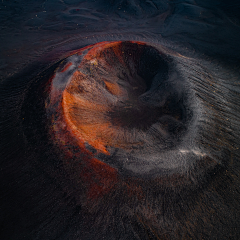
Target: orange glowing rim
[
  {"x": 85, "y": 113},
  {"x": 118, "y": 103}
]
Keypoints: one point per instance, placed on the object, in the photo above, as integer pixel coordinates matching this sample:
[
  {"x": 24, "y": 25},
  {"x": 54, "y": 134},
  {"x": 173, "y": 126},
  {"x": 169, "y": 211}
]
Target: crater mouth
[{"x": 120, "y": 96}]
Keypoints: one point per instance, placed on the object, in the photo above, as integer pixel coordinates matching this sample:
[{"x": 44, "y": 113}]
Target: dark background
[
  {"x": 31, "y": 28},
  {"x": 33, "y": 205}
]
